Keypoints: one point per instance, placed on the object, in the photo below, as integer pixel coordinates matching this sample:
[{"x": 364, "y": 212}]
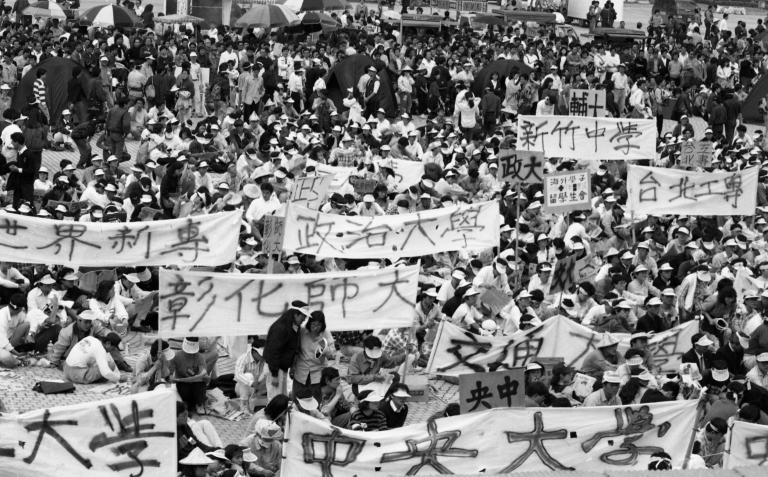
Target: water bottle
[{"x": 50, "y": 351}]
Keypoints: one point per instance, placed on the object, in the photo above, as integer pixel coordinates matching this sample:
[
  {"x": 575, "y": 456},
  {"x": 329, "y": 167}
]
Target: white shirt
[
  {"x": 89, "y": 351},
  {"x": 260, "y": 207},
  {"x": 8, "y": 325},
  {"x": 226, "y": 56}
]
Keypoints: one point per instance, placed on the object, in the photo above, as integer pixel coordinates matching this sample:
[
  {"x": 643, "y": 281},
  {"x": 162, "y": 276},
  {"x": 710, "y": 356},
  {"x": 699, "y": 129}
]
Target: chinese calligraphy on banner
[
  {"x": 457, "y": 351},
  {"x": 466, "y": 226},
  {"x": 587, "y": 103},
  {"x": 208, "y": 304},
  {"x": 657, "y": 191},
  {"x": 483, "y": 391},
  {"x": 566, "y": 191},
  {"x": 310, "y": 191},
  {"x": 696, "y": 154},
  {"x": 274, "y": 228},
  {"x": 587, "y": 138},
  {"x": 520, "y": 166},
  {"x": 129, "y": 435},
  {"x": 200, "y": 240},
  {"x": 340, "y": 174},
  {"x": 407, "y": 173},
  {"x": 748, "y": 445},
  {"x": 497, "y": 441}
]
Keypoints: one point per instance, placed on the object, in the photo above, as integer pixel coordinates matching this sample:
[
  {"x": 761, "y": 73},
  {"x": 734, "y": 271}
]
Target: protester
[{"x": 191, "y": 122}]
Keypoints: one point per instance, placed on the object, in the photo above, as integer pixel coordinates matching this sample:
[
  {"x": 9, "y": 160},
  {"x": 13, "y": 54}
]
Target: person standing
[
  {"x": 118, "y": 126},
  {"x": 246, "y": 83},
  {"x": 24, "y": 170},
  {"x": 38, "y": 89},
  {"x": 282, "y": 347}
]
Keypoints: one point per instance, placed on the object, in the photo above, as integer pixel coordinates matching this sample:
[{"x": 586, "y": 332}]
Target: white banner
[
  {"x": 199, "y": 240},
  {"x": 340, "y": 174},
  {"x": 467, "y": 226},
  {"x": 588, "y": 138},
  {"x": 128, "y": 435},
  {"x": 311, "y": 191},
  {"x": 498, "y": 441},
  {"x": 657, "y": 191},
  {"x": 587, "y": 102},
  {"x": 746, "y": 445},
  {"x": 457, "y": 351},
  {"x": 407, "y": 173},
  {"x": 215, "y": 304}
]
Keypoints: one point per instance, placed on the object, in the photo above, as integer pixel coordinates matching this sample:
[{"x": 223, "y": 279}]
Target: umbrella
[
  {"x": 307, "y": 5},
  {"x": 503, "y": 67},
  {"x": 325, "y": 21},
  {"x": 489, "y": 20},
  {"x": 110, "y": 15},
  {"x": 45, "y": 9},
  {"x": 267, "y": 16},
  {"x": 178, "y": 18}
]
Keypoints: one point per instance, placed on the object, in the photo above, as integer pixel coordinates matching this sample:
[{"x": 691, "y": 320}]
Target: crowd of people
[{"x": 227, "y": 119}]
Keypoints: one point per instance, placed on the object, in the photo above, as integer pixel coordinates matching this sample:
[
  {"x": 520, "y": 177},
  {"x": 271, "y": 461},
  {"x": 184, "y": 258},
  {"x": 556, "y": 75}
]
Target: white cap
[{"x": 704, "y": 341}]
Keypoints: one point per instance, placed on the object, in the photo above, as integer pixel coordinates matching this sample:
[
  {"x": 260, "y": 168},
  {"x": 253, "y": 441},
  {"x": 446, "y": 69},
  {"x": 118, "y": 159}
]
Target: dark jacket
[
  {"x": 691, "y": 357},
  {"x": 394, "y": 419},
  {"x": 282, "y": 343}
]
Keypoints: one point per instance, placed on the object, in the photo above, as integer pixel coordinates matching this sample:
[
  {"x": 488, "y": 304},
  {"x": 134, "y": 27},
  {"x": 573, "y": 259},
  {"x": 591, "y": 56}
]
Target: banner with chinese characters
[
  {"x": 588, "y": 138},
  {"x": 466, "y": 226},
  {"x": 518, "y": 167},
  {"x": 200, "y": 240},
  {"x": 214, "y": 304},
  {"x": 407, "y": 173},
  {"x": 274, "y": 228},
  {"x": 746, "y": 445},
  {"x": 340, "y": 174},
  {"x": 127, "y": 435},
  {"x": 310, "y": 191},
  {"x": 587, "y": 103},
  {"x": 498, "y": 441},
  {"x": 658, "y": 191},
  {"x": 695, "y": 154},
  {"x": 483, "y": 391},
  {"x": 457, "y": 351},
  {"x": 566, "y": 191}
]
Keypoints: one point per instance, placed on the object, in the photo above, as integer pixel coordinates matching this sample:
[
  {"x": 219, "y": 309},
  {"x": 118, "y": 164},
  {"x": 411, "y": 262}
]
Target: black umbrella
[{"x": 503, "y": 68}]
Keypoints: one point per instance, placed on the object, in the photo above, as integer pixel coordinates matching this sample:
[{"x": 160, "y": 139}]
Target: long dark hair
[{"x": 316, "y": 316}]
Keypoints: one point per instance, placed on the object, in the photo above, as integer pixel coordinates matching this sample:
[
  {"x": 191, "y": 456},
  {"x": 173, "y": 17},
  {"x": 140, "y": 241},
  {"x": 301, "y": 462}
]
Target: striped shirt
[{"x": 39, "y": 90}]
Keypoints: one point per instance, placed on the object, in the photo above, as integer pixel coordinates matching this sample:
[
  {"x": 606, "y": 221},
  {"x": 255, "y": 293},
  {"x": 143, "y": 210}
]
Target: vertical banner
[
  {"x": 566, "y": 191},
  {"x": 460, "y": 227},
  {"x": 274, "y": 229},
  {"x": 498, "y": 441},
  {"x": 520, "y": 166},
  {"x": 483, "y": 391},
  {"x": 310, "y": 191},
  {"x": 588, "y": 138},
  {"x": 215, "y": 304},
  {"x": 128, "y": 435},
  {"x": 746, "y": 445},
  {"x": 695, "y": 154},
  {"x": 562, "y": 275},
  {"x": 659, "y": 191},
  {"x": 587, "y": 103}
]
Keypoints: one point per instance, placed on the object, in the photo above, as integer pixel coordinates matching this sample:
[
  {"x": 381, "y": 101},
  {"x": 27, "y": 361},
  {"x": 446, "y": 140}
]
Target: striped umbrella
[
  {"x": 45, "y": 10},
  {"x": 308, "y": 5},
  {"x": 267, "y": 16},
  {"x": 109, "y": 15}
]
